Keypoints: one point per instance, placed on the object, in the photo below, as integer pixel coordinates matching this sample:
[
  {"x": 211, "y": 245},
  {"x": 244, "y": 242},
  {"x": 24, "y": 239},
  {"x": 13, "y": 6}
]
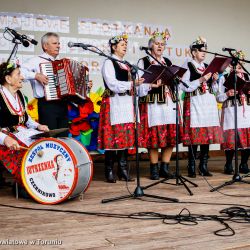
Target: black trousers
[{"x": 53, "y": 114}]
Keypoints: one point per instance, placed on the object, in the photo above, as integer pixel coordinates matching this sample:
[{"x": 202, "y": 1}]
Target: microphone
[
  {"x": 82, "y": 45},
  {"x": 143, "y": 48},
  {"x": 25, "y": 40},
  {"x": 33, "y": 41},
  {"x": 228, "y": 49}
]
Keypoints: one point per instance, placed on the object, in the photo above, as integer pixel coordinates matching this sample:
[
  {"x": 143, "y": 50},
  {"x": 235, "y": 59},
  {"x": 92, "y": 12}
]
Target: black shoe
[
  {"x": 164, "y": 171},
  {"x": 228, "y": 169},
  {"x": 203, "y": 169},
  {"x": 192, "y": 151},
  {"x": 191, "y": 174},
  {"x": 243, "y": 168},
  {"x": 191, "y": 169},
  {"x": 110, "y": 176},
  {"x": 110, "y": 156},
  {"x": 124, "y": 176},
  {"x": 123, "y": 173},
  {"x": 154, "y": 171}
]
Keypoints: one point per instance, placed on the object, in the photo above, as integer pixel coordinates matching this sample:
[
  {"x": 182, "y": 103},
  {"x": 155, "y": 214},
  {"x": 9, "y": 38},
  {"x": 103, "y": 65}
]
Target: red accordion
[{"x": 68, "y": 79}]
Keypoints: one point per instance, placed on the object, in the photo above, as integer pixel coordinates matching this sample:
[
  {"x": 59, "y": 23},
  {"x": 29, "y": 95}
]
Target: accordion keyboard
[{"x": 50, "y": 88}]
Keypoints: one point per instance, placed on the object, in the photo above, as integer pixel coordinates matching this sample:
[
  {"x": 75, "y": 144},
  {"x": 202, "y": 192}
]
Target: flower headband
[
  {"x": 199, "y": 43},
  {"x": 163, "y": 35},
  {"x": 116, "y": 39},
  {"x": 239, "y": 54},
  {"x": 10, "y": 67}
]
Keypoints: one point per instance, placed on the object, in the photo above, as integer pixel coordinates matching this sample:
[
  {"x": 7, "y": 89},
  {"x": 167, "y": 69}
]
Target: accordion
[{"x": 68, "y": 79}]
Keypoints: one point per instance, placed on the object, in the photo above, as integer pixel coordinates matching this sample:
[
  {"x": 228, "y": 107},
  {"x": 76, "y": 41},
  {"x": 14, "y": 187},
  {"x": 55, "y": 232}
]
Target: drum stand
[
  {"x": 236, "y": 177},
  {"x": 180, "y": 180},
  {"x": 138, "y": 190}
]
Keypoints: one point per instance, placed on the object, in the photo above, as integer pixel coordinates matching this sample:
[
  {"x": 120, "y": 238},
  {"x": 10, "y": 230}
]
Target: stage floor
[{"x": 33, "y": 229}]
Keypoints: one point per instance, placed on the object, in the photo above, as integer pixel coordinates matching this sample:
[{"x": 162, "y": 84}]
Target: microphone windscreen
[
  {"x": 70, "y": 44},
  {"x": 25, "y": 43}
]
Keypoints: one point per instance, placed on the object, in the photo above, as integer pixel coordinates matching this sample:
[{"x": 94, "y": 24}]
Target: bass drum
[{"x": 54, "y": 170}]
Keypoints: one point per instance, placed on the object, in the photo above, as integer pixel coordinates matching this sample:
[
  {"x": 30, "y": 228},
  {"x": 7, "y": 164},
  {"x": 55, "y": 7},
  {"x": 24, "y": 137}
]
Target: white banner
[
  {"x": 111, "y": 28},
  {"x": 33, "y": 22}
]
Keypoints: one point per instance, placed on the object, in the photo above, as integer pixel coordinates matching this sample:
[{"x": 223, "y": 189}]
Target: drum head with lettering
[{"x": 48, "y": 171}]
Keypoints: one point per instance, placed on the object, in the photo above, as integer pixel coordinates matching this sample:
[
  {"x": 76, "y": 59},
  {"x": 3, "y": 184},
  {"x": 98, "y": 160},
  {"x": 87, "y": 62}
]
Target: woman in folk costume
[
  {"x": 226, "y": 96},
  {"x": 157, "y": 112},
  {"x": 200, "y": 113},
  {"x": 116, "y": 126},
  {"x": 13, "y": 116}
]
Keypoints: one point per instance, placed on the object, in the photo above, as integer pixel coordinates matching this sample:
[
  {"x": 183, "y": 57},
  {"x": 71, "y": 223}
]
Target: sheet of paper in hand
[
  {"x": 24, "y": 135},
  {"x": 51, "y": 133}
]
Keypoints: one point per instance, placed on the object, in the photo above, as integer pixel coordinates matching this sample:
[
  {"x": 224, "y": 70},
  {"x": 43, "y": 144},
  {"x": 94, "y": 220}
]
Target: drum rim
[
  {"x": 75, "y": 177},
  {"x": 92, "y": 166}
]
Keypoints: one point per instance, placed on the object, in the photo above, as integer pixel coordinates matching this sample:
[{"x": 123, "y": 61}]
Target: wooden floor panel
[{"x": 80, "y": 231}]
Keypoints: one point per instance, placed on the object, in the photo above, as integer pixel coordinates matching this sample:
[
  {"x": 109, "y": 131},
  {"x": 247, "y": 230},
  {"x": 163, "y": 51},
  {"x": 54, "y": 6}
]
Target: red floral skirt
[
  {"x": 160, "y": 136},
  {"x": 120, "y": 136},
  {"x": 197, "y": 136},
  {"x": 243, "y": 138},
  {"x": 12, "y": 161}
]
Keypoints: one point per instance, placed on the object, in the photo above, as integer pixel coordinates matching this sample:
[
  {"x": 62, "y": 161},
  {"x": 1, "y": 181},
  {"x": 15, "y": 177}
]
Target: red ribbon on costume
[
  {"x": 167, "y": 94},
  {"x": 201, "y": 69},
  {"x": 243, "y": 98},
  {"x": 204, "y": 87},
  {"x": 124, "y": 66}
]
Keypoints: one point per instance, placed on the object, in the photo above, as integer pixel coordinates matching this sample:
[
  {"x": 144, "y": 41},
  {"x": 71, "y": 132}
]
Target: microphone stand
[
  {"x": 236, "y": 177},
  {"x": 15, "y": 48},
  {"x": 138, "y": 190},
  {"x": 179, "y": 178}
]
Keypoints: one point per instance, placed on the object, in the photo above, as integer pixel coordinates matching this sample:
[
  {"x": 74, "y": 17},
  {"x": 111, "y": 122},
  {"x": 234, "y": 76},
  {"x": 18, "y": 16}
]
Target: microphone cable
[{"x": 235, "y": 214}]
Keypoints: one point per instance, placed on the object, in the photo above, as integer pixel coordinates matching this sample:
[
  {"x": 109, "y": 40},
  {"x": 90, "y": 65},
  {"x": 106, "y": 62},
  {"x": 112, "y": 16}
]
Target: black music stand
[
  {"x": 172, "y": 75},
  {"x": 236, "y": 177},
  {"x": 138, "y": 190}
]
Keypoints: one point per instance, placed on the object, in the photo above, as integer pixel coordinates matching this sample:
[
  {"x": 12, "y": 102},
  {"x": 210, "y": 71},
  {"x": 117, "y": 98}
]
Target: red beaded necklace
[{"x": 16, "y": 111}]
